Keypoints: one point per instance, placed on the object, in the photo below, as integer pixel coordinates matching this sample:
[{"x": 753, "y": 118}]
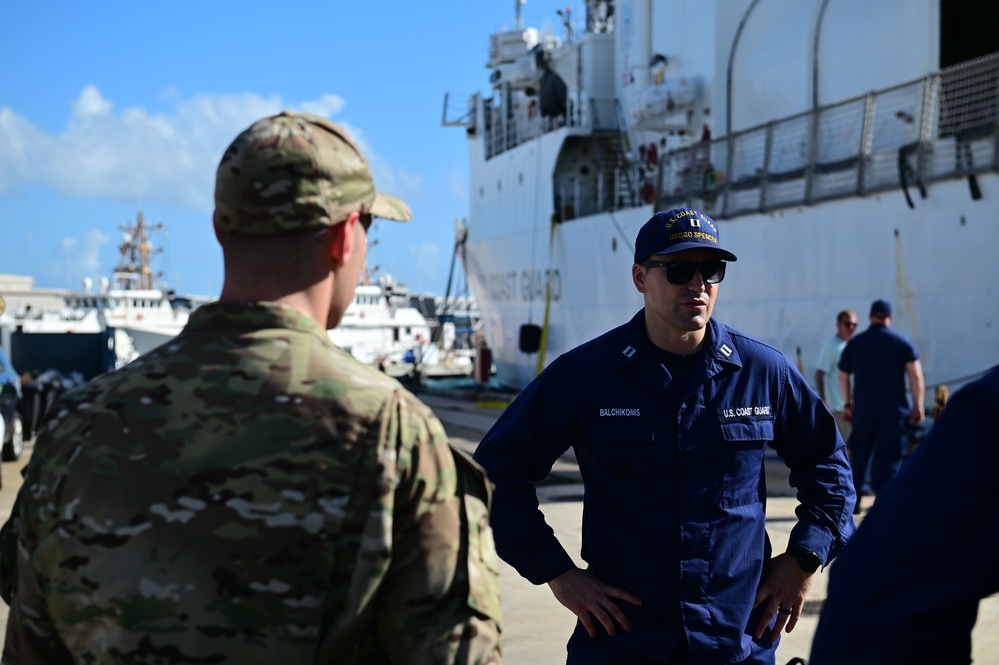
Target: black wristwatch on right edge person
[{"x": 807, "y": 560}]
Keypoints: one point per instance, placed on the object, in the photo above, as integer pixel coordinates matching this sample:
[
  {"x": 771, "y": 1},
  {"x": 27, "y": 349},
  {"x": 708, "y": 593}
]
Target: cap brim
[
  {"x": 390, "y": 207},
  {"x": 724, "y": 253}
]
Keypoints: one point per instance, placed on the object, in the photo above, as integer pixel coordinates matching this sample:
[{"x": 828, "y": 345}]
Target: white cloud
[
  {"x": 91, "y": 102},
  {"x": 136, "y": 155},
  {"x": 327, "y": 106}
]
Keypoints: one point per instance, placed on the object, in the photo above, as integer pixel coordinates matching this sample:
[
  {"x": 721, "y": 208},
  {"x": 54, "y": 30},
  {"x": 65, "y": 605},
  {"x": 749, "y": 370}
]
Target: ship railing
[
  {"x": 939, "y": 127},
  {"x": 507, "y": 126}
]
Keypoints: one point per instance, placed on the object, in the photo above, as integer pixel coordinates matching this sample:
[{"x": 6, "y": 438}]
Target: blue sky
[{"x": 112, "y": 107}]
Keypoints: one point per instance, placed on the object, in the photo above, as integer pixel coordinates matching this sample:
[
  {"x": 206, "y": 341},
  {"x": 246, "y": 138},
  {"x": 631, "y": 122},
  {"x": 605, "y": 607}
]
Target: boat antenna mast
[
  {"x": 134, "y": 267},
  {"x": 519, "y": 22}
]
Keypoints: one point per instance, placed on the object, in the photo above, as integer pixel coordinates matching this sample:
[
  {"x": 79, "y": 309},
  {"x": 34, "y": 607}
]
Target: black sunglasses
[
  {"x": 681, "y": 272},
  {"x": 366, "y": 220}
]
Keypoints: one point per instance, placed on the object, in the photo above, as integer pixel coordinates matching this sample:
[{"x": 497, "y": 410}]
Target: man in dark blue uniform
[
  {"x": 670, "y": 416},
  {"x": 879, "y": 360},
  {"x": 903, "y": 592}
]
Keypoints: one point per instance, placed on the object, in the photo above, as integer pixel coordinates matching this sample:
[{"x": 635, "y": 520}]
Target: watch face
[{"x": 808, "y": 561}]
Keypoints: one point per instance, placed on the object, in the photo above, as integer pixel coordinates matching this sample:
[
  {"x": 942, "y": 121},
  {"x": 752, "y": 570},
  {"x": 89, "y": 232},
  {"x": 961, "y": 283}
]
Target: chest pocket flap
[{"x": 749, "y": 428}]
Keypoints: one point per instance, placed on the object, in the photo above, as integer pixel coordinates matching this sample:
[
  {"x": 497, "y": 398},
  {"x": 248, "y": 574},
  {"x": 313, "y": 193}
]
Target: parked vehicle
[{"x": 11, "y": 429}]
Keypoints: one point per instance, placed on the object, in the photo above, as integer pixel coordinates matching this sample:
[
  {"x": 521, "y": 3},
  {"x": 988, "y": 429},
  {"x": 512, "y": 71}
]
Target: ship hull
[{"x": 797, "y": 268}]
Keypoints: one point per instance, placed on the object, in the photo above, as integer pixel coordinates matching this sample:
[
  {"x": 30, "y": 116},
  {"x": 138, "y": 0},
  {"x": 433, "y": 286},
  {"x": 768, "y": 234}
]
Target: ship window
[
  {"x": 499, "y": 185},
  {"x": 520, "y": 178},
  {"x": 482, "y": 192}
]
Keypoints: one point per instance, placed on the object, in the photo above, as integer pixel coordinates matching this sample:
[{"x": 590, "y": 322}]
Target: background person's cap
[
  {"x": 880, "y": 308},
  {"x": 295, "y": 172},
  {"x": 676, "y": 230}
]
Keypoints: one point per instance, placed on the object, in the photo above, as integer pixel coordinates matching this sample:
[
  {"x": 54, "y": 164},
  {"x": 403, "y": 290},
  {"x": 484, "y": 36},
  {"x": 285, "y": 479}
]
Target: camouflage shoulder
[
  {"x": 481, "y": 559},
  {"x": 367, "y": 376}
]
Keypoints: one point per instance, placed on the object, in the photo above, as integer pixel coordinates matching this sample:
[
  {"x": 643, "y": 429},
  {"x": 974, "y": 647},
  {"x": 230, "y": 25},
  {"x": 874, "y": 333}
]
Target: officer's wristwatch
[{"x": 807, "y": 561}]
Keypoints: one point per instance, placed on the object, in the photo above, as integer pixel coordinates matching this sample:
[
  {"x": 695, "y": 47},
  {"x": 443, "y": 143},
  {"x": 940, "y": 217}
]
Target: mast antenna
[{"x": 135, "y": 262}]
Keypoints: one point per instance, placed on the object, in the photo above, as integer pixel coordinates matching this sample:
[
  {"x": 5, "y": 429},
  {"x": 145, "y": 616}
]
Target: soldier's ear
[{"x": 343, "y": 241}]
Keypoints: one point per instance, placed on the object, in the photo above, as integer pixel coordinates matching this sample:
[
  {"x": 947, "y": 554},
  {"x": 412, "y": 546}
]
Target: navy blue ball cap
[
  {"x": 678, "y": 229},
  {"x": 880, "y": 308}
]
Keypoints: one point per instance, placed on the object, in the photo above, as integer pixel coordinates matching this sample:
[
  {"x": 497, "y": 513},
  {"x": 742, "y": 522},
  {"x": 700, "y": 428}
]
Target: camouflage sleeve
[
  {"x": 440, "y": 600},
  {"x": 31, "y": 635}
]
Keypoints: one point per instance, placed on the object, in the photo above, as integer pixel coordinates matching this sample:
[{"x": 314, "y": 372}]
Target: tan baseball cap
[{"x": 295, "y": 172}]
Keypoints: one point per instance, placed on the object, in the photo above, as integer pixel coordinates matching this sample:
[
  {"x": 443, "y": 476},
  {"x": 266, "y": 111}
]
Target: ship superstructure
[{"x": 848, "y": 150}]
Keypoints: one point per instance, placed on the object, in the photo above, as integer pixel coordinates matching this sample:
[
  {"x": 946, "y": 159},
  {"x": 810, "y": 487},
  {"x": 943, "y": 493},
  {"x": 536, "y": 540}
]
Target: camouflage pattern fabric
[
  {"x": 249, "y": 493},
  {"x": 295, "y": 172}
]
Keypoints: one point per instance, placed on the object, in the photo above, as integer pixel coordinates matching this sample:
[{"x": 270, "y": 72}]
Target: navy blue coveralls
[
  {"x": 675, "y": 493},
  {"x": 877, "y": 358},
  {"x": 907, "y": 587}
]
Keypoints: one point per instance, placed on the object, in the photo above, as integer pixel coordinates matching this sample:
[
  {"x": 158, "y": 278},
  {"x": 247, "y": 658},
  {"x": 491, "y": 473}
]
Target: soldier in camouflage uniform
[{"x": 248, "y": 492}]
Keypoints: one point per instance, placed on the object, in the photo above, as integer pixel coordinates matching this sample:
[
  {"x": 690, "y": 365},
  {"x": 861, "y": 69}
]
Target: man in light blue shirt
[{"x": 827, "y": 369}]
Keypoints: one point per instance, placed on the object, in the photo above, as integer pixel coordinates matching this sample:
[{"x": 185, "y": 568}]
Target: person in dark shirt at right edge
[{"x": 903, "y": 591}]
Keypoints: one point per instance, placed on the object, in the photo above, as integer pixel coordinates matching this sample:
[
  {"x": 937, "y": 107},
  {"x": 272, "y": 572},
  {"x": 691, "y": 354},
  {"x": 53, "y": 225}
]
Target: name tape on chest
[{"x": 617, "y": 412}]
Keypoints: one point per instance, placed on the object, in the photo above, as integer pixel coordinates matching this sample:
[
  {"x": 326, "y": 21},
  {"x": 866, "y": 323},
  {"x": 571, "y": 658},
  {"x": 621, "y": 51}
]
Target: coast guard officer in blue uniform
[
  {"x": 903, "y": 591},
  {"x": 670, "y": 416},
  {"x": 879, "y": 360}
]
